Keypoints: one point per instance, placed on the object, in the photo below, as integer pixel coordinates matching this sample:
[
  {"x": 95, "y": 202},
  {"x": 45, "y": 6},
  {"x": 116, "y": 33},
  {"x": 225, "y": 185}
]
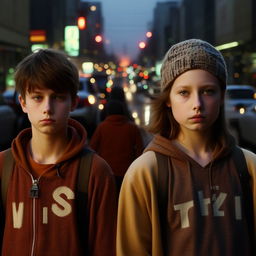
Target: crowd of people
[{"x": 191, "y": 191}]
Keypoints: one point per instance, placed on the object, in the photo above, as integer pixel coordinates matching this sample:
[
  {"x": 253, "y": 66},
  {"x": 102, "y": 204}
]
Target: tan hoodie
[
  {"x": 204, "y": 206},
  {"x": 48, "y": 225}
]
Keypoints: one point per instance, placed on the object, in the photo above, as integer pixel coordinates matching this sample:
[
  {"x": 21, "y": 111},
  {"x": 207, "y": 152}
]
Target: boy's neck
[{"x": 46, "y": 149}]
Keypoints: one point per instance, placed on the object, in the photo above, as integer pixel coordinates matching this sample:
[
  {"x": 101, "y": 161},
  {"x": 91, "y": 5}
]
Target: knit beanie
[{"x": 192, "y": 54}]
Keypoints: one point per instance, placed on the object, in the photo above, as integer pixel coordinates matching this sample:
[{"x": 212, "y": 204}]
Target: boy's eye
[
  {"x": 37, "y": 97},
  {"x": 208, "y": 91}
]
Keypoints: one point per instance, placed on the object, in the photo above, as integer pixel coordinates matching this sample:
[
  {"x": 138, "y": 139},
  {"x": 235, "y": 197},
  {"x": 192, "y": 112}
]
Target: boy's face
[
  {"x": 195, "y": 100},
  {"x": 47, "y": 110}
]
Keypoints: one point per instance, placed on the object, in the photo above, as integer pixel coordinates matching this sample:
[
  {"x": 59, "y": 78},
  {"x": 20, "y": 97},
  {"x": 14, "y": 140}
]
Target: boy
[{"x": 40, "y": 212}]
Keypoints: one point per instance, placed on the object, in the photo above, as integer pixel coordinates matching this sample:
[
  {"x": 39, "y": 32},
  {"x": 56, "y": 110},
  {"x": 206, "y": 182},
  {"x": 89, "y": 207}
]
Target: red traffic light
[{"x": 81, "y": 23}]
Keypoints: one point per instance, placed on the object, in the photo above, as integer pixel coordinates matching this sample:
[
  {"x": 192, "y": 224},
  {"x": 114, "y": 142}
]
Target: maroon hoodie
[
  {"x": 47, "y": 225},
  {"x": 205, "y": 215}
]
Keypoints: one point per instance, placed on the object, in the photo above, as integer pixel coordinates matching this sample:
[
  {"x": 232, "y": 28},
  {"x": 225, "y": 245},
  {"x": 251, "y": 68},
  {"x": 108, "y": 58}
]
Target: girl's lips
[{"x": 197, "y": 118}]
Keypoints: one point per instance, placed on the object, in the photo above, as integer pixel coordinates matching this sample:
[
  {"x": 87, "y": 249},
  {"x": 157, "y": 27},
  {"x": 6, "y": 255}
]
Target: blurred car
[
  {"x": 247, "y": 126},
  {"x": 87, "y": 112},
  {"x": 10, "y": 98},
  {"x": 101, "y": 83},
  {"x": 7, "y": 126},
  {"x": 239, "y": 111}
]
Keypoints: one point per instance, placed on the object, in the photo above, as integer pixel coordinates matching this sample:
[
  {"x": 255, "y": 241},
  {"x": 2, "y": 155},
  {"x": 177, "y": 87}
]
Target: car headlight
[
  {"x": 91, "y": 99},
  {"x": 240, "y": 109}
]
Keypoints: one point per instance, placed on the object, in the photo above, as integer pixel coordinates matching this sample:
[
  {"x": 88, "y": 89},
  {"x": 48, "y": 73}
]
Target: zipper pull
[{"x": 34, "y": 191}]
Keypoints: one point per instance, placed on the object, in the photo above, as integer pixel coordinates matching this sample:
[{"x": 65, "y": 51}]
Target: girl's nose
[{"x": 197, "y": 102}]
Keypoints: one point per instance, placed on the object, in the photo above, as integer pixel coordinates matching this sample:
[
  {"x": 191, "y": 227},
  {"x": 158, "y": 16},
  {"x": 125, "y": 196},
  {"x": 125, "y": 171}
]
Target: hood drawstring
[
  {"x": 212, "y": 188},
  {"x": 58, "y": 170}
]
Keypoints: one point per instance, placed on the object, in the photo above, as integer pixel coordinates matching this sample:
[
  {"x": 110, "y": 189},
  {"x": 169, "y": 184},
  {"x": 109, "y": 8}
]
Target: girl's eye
[{"x": 183, "y": 93}]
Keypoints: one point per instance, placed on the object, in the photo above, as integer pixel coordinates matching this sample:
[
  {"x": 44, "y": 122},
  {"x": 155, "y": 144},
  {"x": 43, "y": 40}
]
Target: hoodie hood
[
  {"x": 117, "y": 119},
  {"x": 77, "y": 135},
  {"x": 166, "y": 147}
]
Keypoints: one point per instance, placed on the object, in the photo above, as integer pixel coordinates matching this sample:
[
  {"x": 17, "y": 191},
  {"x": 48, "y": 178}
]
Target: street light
[
  {"x": 149, "y": 34},
  {"x": 98, "y": 38},
  {"x": 142, "y": 45}
]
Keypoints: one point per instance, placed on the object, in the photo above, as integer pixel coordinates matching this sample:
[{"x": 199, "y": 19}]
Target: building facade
[{"x": 14, "y": 37}]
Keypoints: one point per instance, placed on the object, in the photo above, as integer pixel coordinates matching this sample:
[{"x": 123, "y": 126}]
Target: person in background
[
  {"x": 201, "y": 207},
  {"x": 117, "y": 140},
  {"x": 42, "y": 211},
  {"x": 117, "y": 93}
]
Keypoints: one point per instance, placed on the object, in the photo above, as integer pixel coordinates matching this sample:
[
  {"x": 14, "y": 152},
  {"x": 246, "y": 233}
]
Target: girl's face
[{"x": 195, "y": 100}]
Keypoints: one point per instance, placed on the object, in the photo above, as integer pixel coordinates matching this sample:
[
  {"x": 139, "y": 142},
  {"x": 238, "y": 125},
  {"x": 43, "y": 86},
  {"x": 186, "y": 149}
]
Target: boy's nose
[{"x": 47, "y": 106}]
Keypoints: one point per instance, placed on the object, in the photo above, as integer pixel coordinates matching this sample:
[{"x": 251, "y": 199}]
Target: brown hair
[
  {"x": 162, "y": 121},
  {"x": 47, "y": 68}
]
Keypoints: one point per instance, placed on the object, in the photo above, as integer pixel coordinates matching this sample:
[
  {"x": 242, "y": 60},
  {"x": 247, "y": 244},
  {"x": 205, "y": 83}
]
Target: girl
[{"x": 202, "y": 212}]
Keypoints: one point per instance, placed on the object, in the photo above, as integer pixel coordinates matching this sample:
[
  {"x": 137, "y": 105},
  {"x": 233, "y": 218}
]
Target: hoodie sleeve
[
  {"x": 102, "y": 200},
  {"x": 95, "y": 140},
  {"x": 138, "y": 229},
  {"x": 251, "y": 163}
]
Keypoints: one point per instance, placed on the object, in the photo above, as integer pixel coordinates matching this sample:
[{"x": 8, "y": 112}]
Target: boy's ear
[
  {"x": 74, "y": 103},
  {"x": 22, "y": 104}
]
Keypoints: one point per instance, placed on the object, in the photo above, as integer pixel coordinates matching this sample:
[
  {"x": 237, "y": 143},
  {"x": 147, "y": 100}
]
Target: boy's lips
[{"x": 47, "y": 120}]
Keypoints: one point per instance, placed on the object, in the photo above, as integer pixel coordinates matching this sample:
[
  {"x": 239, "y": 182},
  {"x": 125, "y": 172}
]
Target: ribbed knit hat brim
[{"x": 192, "y": 54}]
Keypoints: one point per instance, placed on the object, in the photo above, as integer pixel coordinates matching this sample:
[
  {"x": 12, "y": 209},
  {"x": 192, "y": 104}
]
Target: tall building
[
  {"x": 92, "y": 37},
  {"x": 14, "y": 43},
  {"x": 48, "y": 20},
  {"x": 165, "y": 27},
  {"x": 197, "y": 19}
]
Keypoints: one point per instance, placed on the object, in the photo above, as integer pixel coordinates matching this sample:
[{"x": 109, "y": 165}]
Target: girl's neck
[{"x": 198, "y": 147}]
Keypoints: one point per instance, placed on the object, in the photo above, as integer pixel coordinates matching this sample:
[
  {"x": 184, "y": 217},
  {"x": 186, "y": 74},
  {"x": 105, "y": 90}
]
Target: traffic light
[{"x": 81, "y": 22}]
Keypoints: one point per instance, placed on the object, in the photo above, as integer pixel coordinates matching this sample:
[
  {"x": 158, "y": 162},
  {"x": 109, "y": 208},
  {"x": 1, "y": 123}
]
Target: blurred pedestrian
[
  {"x": 117, "y": 140},
  {"x": 190, "y": 192},
  {"x": 117, "y": 93},
  {"x": 44, "y": 212}
]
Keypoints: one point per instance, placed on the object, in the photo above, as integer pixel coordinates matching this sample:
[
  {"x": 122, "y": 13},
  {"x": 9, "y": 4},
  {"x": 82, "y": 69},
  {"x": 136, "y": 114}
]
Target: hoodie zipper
[{"x": 34, "y": 194}]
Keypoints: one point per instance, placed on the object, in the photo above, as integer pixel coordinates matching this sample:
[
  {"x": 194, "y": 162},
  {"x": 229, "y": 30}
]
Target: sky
[{"x": 126, "y": 23}]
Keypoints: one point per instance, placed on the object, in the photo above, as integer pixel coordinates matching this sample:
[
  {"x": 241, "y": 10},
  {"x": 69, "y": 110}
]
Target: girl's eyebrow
[{"x": 191, "y": 86}]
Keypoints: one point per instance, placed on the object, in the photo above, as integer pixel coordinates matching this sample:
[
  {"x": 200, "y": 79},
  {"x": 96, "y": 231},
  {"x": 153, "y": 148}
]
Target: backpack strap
[
  {"x": 163, "y": 164},
  {"x": 6, "y": 174},
  {"x": 247, "y": 199},
  {"x": 83, "y": 177}
]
